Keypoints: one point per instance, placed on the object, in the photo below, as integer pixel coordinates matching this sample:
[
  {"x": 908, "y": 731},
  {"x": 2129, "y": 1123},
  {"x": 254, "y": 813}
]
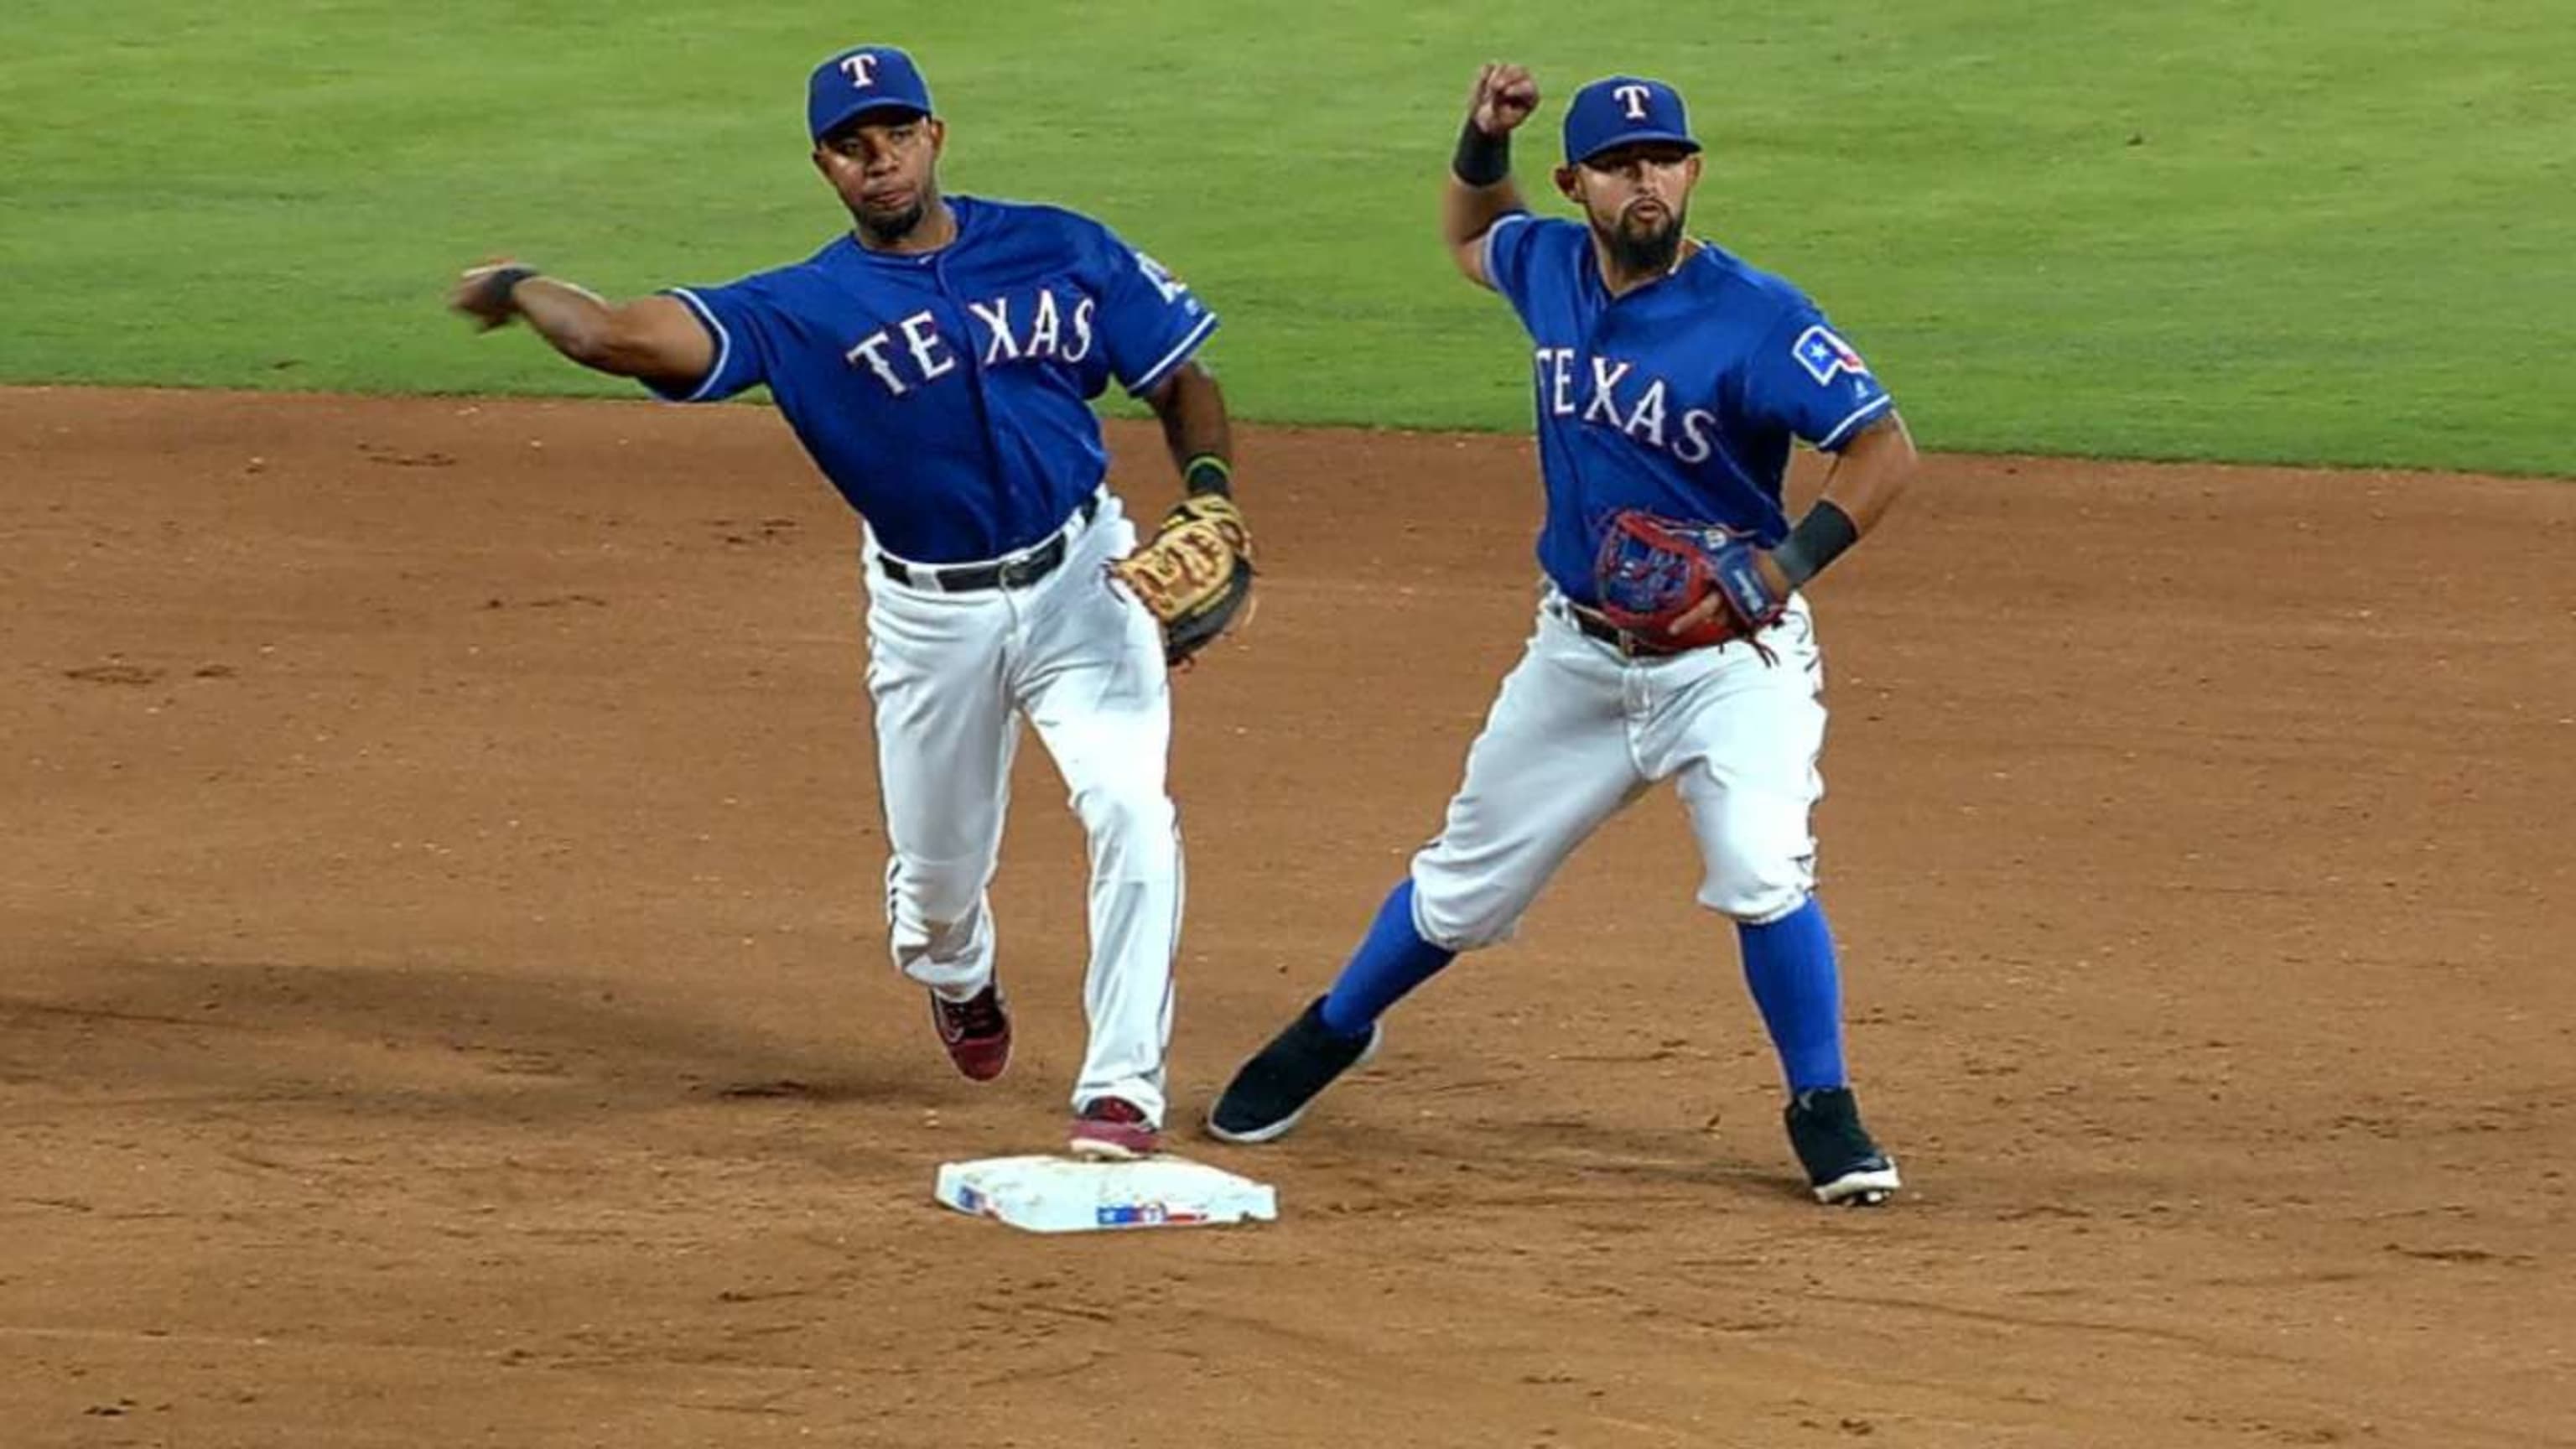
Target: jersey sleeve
[
  {"x": 1804, "y": 377},
  {"x": 731, "y": 315},
  {"x": 1150, "y": 321},
  {"x": 1507, "y": 249}
]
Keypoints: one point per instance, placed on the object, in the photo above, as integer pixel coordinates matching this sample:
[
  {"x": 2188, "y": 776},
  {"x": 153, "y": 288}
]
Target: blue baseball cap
[
  {"x": 861, "y": 79},
  {"x": 1624, "y": 110}
]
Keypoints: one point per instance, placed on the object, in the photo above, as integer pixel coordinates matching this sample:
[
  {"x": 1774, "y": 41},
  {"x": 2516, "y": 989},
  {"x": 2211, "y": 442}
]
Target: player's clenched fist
[
  {"x": 1505, "y": 96},
  {"x": 483, "y": 293}
]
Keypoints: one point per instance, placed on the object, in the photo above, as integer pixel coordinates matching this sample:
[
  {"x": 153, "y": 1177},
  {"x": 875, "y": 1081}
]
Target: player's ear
[
  {"x": 1566, "y": 179},
  {"x": 938, "y": 137}
]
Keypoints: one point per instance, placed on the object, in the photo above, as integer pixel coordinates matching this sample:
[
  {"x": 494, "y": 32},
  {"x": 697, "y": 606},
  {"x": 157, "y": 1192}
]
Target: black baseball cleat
[
  {"x": 1843, "y": 1164},
  {"x": 1273, "y": 1090}
]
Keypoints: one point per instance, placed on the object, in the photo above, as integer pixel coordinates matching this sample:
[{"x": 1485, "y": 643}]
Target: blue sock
[
  {"x": 1789, "y": 963},
  {"x": 1390, "y": 962}
]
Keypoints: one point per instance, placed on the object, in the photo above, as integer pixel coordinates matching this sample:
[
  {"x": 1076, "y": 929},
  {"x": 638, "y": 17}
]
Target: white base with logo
[{"x": 1068, "y": 1195}]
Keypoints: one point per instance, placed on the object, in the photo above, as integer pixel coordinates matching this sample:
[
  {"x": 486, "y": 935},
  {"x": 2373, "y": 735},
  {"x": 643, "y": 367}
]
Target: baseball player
[
  {"x": 937, "y": 361},
  {"x": 1671, "y": 642}
]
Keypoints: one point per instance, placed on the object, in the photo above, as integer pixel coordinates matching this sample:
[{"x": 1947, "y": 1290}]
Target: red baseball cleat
[
  {"x": 1113, "y": 1129},
  {"x": 976, "y": 1031}
]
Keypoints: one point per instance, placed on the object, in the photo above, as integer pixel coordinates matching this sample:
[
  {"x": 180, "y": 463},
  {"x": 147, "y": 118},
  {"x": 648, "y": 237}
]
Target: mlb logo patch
[{"x": 1826, "y": 356}]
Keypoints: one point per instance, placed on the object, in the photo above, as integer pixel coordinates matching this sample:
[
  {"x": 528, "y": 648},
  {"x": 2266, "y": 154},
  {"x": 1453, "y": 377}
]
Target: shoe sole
[
  {"x": 1100, "y": 1151},
  {"x": 994, "y": 1075},
  {"x": 1870, "y": 1188},
  {"x": 1281, "y": 1128}
]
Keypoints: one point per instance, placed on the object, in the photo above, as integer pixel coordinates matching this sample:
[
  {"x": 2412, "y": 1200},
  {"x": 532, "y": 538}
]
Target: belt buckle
[
  {"x": 1601, "y": 630},
  {"x": 1028, "y": 568}
]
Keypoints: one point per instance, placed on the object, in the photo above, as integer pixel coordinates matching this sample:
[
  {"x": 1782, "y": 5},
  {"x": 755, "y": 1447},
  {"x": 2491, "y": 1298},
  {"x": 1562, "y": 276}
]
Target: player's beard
[
  {"x": 886, "y": 228},
  {"x": 1645, "y": 249}
]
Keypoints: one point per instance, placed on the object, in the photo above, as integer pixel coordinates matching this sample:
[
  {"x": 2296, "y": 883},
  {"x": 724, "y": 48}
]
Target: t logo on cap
[
  {"x": 859, "y": 80},
  {"x": 1624, "y": 110}
]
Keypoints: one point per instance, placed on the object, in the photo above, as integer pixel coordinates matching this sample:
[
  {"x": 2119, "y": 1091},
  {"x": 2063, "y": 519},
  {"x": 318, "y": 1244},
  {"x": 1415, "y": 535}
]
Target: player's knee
[
  {"x": 1123, "y": 819},
  {"x": 1461, "y": 915},
  {"x": 1756, "y": 889}
]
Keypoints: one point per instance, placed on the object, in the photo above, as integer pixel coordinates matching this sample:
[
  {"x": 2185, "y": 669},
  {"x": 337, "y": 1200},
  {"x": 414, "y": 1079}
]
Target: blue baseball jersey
[
  {"x": 1680, "y": 397},
  {"x": 947, "y": 395}
]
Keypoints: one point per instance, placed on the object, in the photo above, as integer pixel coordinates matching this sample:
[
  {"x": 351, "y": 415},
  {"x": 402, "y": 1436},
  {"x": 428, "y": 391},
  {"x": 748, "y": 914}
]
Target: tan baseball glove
[{"x": 1194, "y": 574}]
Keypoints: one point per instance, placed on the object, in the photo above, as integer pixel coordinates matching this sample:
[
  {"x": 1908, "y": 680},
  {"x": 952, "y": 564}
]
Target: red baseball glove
[{"x": 1683, "y": 584}]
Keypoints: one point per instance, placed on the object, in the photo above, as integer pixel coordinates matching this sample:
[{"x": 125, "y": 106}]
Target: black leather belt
[
  {"x": 1016, "y": 572},
  {"x": 1634, "y": 646}
]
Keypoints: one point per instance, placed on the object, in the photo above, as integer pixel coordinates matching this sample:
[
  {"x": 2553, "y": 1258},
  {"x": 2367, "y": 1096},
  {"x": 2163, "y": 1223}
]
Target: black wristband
[
  {"x": 1208, "y": 473},
  {"x": 498, "y": 282},
  {"x": 1482, "y": 160},
  {"x": 1818, "y": 540}
]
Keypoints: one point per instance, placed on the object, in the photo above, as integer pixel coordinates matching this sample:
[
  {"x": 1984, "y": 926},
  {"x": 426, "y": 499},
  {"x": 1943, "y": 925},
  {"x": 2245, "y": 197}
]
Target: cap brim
[
  {"x": 1640, "y": 138},
  {"x": 866, "y": 108}
]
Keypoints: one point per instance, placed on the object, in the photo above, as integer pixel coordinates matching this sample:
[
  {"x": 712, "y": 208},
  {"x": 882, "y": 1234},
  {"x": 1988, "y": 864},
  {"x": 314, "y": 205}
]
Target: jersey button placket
[{"x": 976, "y": 379}]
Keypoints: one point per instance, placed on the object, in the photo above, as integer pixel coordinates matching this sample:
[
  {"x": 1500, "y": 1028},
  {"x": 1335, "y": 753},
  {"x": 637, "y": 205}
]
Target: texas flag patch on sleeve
[{"x": 1825, "y": 356}]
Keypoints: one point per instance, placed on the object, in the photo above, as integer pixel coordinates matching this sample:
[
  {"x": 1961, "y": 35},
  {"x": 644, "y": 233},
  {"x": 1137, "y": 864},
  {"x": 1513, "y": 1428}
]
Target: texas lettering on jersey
[
  {"x": 1619, "y": 393},
  {"x": 1615, "y": 393},
  {"x": 914, "y": 351},
  {"x": 1052, "y": 328}
]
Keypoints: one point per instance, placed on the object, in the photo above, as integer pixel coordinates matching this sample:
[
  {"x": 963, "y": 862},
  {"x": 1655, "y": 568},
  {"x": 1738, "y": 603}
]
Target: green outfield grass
[{"x": 2304, "y": 230}]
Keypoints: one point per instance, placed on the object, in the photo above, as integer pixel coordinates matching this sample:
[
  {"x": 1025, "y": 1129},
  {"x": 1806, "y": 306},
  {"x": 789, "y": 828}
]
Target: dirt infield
[{"x": 443, "y": 1000}]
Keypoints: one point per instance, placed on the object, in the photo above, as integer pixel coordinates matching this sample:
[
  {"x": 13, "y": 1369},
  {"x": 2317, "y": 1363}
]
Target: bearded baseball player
[
  {"x": 1672, "y": 643},
  {"x": 938, "y": 362}
]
